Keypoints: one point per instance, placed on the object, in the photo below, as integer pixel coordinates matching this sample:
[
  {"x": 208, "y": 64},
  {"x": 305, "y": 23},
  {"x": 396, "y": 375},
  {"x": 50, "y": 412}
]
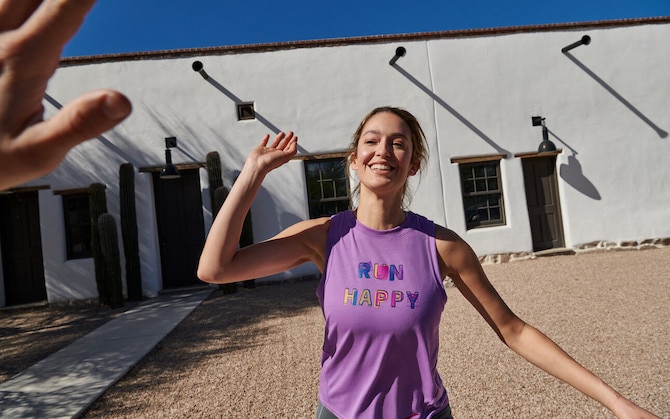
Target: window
[
  {"x": 327, "y": 187},
  {"x": 77, "y": 225},
  {"x": 245, "y": 111},
  {"x": 482, "y": 194}
]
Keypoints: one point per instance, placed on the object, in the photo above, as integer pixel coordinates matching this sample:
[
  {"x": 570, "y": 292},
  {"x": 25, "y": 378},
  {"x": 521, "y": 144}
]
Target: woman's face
[{"x": 383, "y": 158}]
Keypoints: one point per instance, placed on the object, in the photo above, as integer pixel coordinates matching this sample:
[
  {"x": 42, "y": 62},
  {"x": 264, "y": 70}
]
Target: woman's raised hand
[{"x": 268, "y": 157}]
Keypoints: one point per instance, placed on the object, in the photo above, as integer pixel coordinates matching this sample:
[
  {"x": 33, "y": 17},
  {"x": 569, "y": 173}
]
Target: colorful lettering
[
  {"x": 364, "y": 269},
  {"x": 413, "y": 296},
  {"x": 381, "y": 271},
  {"x": 380, "y": 297},
  {"x": 350, "y": 296},
  {"x": 365, "y": 298},
  {"x": 396, "y": 272},
  {"x": 377, "y": 298},
  {"x": 396, "y": 297}
]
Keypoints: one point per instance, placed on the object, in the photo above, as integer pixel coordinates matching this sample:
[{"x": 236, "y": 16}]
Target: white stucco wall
[{"x": 606, "y": 108}]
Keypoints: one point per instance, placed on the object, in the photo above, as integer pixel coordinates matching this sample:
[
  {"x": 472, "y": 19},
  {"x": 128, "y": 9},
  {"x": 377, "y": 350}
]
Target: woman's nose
[{"x": 384, "y": 148}]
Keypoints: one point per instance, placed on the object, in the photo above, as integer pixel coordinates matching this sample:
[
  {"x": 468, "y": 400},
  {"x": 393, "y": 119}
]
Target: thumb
[
  {"x": 43, "y": 146},
  {"x": 84, "y": 118}
]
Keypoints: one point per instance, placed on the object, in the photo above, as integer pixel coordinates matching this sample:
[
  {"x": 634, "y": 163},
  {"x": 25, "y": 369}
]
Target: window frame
[
  {"x": 70, "y": 225},
  {"x": 482, "y": 161},
  {"x": 340, "y": 158}
]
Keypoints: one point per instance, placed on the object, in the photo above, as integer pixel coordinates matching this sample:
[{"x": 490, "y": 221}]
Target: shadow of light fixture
[
  {"x": 584, "y": 41},
  {"x": 169, "y": 171},
  {"x": 546, "y": 145},
  {"x": 399, "y": 52}
]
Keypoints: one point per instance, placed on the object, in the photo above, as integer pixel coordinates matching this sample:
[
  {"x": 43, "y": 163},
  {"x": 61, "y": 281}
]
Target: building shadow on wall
[
  {"x": 573, "y": 174},
  {"x": 198, "y": 67},
  {"x": 661, "y": 133},
  {"x": 450, "y": 109},
  {"x": 272, "y": 127}
]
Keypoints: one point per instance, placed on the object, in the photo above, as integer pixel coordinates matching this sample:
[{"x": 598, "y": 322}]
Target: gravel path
[{"x": 256, "y": 353}]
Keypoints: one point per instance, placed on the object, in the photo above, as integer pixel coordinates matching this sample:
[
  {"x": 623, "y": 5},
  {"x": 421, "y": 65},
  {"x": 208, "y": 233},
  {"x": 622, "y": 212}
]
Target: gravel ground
[
  {"x": 256, "y": 353},
  {"x": 30, "y": 334}
]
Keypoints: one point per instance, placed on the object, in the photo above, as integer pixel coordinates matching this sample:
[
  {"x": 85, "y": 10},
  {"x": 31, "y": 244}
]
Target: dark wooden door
[
  {"x": 544, "y": 209},
  {"x": 22, "y": 262},
  {"x": 181, "y": 230}
]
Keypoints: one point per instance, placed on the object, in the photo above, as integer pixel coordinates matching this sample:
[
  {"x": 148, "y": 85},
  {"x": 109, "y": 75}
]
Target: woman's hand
[
  {"x": 266, "y": 157},
  {"x": 625, "y": 409}
]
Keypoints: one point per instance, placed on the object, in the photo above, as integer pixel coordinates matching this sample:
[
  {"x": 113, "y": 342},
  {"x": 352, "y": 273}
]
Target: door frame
[
  {"x": 179, "y": 271},
  {"x": 545, "y": 218},
  {"x": 26, "y": 247}
]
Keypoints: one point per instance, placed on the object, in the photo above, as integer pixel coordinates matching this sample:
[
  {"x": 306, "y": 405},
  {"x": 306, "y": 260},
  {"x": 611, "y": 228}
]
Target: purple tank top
[{"x": 382, "y": 298}]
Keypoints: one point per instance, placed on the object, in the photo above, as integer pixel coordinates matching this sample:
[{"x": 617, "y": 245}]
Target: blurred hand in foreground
[{"x": 32, "y": 36}]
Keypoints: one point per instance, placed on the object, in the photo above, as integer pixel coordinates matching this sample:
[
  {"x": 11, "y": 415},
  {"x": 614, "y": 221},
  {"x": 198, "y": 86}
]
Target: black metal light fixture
[
  {"x": 399, "y": 52},
  {"x": 199, "y": 68},
  {"x": 546, "y": 146},
  {"x": 170, "y": 170},
  {"x": 584, "y": 41}
]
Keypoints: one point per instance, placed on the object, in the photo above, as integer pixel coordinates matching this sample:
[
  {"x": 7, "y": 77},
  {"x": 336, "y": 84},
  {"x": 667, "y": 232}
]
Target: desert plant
[
  {"x": 109, "y": 249},
  {"x": 247, "y": 239},
  {"x": 215, "y": 180},
  {"x": 129, "y": 231},
  {"x": 97, "y": 207}
]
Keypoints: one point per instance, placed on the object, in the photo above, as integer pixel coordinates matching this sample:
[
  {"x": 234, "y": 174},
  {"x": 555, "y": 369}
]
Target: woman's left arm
[{"x": 460, "y": 263}]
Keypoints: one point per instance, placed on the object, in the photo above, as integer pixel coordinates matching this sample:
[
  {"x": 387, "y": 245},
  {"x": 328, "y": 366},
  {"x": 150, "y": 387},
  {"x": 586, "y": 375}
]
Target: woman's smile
[{"x": 384, "y": 154}]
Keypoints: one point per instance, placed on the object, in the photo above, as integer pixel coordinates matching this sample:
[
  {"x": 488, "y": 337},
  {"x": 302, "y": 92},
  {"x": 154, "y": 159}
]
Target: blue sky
[{"x": 121, "y": 26}]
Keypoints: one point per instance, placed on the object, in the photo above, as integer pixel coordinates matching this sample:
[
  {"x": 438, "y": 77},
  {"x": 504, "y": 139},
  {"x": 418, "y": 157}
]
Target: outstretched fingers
[
  {"x": 283, "y": 140},
  {"x": 15, "y": 12},
  {"x": 42, "y": 146},
  {"x": 86, "y": 117},
  {"x": 53, "y": 24}
]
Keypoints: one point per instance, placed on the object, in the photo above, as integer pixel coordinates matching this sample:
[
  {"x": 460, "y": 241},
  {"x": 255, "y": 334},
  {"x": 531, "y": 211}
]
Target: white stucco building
[{"x": 605, "y": 106}]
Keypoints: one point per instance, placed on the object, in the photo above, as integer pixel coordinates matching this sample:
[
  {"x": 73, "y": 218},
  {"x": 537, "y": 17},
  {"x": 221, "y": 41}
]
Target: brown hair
[{"x": 419, "y": 145}]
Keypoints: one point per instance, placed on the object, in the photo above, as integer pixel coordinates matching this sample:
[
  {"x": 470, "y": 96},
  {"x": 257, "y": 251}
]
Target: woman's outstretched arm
[
  {"x": 221, "y": 261},
  {"x": 462, "y": 265}
]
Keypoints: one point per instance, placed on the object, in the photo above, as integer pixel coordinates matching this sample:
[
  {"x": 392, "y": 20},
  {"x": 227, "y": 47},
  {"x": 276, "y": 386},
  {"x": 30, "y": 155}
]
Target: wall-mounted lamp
[
  {"x": 546, "y": 145},
  {"x": 169, "y": 171},
  {"x": 584, "y": 41},
  {"x": 399, "y": 52},
  {"x": 199, "y": 68}
]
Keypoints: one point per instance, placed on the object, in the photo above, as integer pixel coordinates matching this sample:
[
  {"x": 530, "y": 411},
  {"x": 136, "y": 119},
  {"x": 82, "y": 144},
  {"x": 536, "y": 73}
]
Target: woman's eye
[{"x": 399, "y": 145}]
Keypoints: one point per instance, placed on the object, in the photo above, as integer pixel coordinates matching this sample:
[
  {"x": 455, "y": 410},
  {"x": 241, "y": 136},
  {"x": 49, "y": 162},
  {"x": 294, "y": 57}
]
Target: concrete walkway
[{"x": 65, "y": 384}]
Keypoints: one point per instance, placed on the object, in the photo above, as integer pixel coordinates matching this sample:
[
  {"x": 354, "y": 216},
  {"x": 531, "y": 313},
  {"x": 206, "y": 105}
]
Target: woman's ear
[
  {"x": 353, "y": 162},
  {"x": 414, "y": 168}
]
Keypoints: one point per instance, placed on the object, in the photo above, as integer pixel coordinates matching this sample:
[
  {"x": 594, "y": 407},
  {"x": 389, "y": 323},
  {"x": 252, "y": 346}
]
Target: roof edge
[{"x": 247, "y": 48}]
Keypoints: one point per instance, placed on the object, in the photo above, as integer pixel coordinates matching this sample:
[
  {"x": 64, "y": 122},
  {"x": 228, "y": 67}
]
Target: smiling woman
[
  {"x": 405, "y": 139},
  {"x": 381, "y": 292}
]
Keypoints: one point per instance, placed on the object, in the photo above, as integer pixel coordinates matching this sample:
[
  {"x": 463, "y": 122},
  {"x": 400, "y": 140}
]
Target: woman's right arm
[{"x": 221, "y": 261}]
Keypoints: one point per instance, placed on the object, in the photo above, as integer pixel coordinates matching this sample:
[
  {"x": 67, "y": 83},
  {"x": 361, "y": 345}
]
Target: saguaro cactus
[
  {"x": 129, "y": 231},
  {"x": 97, "y": 207},
  {"x": 247, "y": 239},
  {"x": 215, "y": 179},
  {"x": 220, "y": 195},
  {"x": 109, "y": 249}
]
